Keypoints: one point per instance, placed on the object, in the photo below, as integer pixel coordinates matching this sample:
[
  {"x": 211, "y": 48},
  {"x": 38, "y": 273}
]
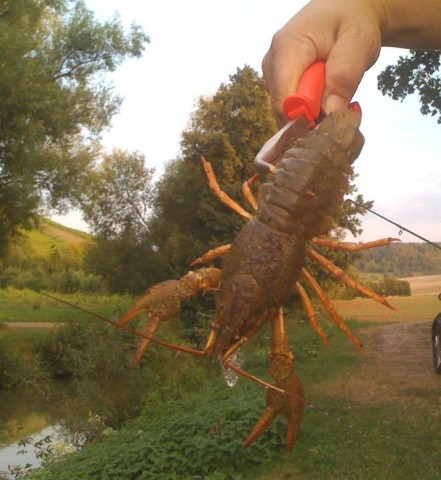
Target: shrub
[
  {"x": 391, "y": 287},
  {"x": 89, "y": 349},
  {"x": 63, "y": 281},
  {"x": 20, "y": 365}
]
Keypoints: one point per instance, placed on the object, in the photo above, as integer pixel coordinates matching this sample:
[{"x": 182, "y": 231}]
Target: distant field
[
  {"x": 422, "y": 305},
  {"x": 407, "y": 309},
  {"x": 425, "y": 285}
]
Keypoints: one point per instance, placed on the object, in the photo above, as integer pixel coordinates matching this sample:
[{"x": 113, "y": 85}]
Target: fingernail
[{"x": 333, "y": 103}]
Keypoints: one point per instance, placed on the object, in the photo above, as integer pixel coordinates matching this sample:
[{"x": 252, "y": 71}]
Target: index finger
[{"x": 283, "y": 66}]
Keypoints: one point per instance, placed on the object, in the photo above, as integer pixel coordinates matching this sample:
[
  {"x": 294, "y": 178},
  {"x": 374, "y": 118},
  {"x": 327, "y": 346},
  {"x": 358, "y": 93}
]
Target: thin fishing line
[{"x": 396, "y": 224}]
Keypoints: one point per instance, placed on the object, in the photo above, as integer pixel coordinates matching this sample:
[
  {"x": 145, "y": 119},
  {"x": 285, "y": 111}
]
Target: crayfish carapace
[{"x": 263, "y": 265}]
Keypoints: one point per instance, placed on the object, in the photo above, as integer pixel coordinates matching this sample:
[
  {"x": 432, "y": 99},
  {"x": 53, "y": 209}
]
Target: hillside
[
  {"x": 49, "y": 243},
  {"x": 401, "y": 260},
  {"x": 50, "y": 256},
  {"x": 60, "y": 232}
]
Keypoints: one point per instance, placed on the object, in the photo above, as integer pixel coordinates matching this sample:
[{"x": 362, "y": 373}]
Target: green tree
[
  {"x": 228, "y": 129},
  {"x": 55, "y": 101},
  {"x": 126, "y": 263},
  {"x": 116, "y": 204},
  {"x": 418, "y": 72},
  {"x": 118, "y": 195}
]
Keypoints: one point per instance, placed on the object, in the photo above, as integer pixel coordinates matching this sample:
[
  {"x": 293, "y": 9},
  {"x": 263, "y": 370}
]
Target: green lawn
[
  {"x": 413, "y": 308},
  {"x": 28, "y": 306}
]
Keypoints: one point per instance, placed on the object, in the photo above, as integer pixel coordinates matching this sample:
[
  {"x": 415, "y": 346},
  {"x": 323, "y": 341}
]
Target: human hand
[{"x": 345, "y": 33}]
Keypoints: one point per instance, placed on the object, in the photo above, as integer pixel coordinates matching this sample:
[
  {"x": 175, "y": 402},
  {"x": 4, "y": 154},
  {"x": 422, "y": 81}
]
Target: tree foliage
[
  {"x": 419, "y": 72},
  {"x": 118, "y": 195},
  {"x": 55, "y": 101},
  {"x": 116, "y": 204},
  {"x": 401, "y": 260},
  {"x": 391, "y": 287},
  {"x": 228, "y": 129}
]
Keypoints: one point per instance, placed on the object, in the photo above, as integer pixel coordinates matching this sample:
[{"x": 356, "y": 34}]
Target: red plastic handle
[{"x": 308, "y": 99}]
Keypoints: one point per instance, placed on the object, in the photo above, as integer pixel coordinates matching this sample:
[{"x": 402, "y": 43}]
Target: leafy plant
[{"x": 190, "y": 440}]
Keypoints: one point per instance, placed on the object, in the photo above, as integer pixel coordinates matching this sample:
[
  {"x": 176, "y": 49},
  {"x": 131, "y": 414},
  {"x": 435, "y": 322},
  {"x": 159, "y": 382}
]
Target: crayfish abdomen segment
[
  {"x": 307, "y": 188},
  {"x": 258, "y": 275}
]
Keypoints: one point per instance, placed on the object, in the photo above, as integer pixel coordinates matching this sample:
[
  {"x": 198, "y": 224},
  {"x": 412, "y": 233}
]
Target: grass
[
  {"x": 423, "y": 305},
  {"x": 425, "y": 285},
  {"x": 48, "y": 244},
  {"x": 25, "y": 335},
  {"x": 395, "y": 442},
  {"x": 61, "y": 231},
  {"x": 28, "y": 306},
  {"x": 414, "y": 308}
]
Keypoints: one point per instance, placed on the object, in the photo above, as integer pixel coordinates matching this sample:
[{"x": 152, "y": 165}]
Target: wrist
[{"x": 410, "y": 24}]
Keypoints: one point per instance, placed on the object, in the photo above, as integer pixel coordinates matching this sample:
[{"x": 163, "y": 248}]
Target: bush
[
  {"x": 87, "y": 349},
  {"x": 20, "y": 365},
  {"x": 391, "y": 287},
  {"x": 63, "y": 281}
]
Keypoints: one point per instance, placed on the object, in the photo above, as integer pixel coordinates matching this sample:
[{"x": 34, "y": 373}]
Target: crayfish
[{"x": 265, "y": 263}]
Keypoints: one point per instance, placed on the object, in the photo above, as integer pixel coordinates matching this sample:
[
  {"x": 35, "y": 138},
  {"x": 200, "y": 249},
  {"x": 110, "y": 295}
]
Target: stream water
[
  {"x": 14, "y": 454},
  {"x": 69, "y": 416},
  {"x": 22, "y": 414}
]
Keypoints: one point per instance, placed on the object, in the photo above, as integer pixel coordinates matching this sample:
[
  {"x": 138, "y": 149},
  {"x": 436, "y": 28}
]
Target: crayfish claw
[
  {"x": 294, "y": 411},
  {"x": 290, "y": 402},
  {"x": 264, "y": 422}
]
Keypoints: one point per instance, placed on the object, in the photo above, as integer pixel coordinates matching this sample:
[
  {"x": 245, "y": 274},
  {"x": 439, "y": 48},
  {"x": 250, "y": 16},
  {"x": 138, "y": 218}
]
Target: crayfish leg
[
  {"x": 311, "y": 313},
  {"x": 329, "y": 307},
  {"x": 211, "y": 255},
  {"x": 220, "y": 194},
  {"x": 351, "y": 246},
  {"x": 346, "y": 279},
  {"x": 248, "y": 193}
]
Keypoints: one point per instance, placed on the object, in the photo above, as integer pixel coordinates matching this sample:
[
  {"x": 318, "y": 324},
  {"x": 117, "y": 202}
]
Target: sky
[{"x": 195, "y": 45}]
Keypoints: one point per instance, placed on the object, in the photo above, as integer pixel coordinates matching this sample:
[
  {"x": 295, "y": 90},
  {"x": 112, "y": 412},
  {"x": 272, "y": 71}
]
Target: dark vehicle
[{"x": 436, "y": 341}]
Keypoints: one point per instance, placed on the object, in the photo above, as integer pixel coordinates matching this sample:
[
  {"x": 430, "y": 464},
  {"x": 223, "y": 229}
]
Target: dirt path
[
  {"x": 396, "y": 363},
  {"x": 31, "y": 324}
]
